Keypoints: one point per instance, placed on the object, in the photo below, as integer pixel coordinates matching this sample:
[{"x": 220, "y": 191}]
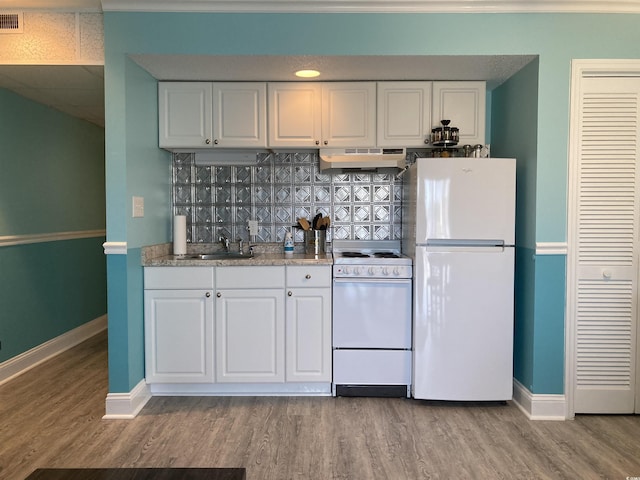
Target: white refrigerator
[{"x": 459, "y": 228}]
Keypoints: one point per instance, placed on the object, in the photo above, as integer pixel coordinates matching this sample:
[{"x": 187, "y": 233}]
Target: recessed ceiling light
[{"x": 307, "y": 73}]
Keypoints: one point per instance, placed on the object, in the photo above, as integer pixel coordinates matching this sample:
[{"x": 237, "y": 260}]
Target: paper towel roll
[{"x": 179, "y": 235}]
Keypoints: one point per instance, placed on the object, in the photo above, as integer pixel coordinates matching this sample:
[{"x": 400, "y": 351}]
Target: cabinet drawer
[
  {"x": 250, "y": 277},
  {"x": 311, "y": 276},
  {"x": 162, "y": 278}
]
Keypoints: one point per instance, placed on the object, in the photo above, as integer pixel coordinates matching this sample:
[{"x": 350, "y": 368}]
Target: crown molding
[{"x": 375, "y": 6}]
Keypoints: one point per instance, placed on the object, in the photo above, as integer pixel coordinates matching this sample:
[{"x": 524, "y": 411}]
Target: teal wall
[
  {"x": 540, "y": 278},
  {"x": 51, "y": 181},
  {"x": 135, "y": 167},
  {"x": 555, "y": 38}
]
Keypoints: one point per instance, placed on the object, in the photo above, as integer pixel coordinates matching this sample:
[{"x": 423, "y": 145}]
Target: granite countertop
[{"x": 264, "y": 254}]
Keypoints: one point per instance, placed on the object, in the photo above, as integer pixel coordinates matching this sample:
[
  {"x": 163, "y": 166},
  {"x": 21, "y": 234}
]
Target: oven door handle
[{"x": 372, "y": 280}]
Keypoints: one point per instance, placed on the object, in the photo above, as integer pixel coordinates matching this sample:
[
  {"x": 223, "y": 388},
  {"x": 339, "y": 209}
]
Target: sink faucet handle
[
  {"x": 240, "y": 246},
  {"x": 225, "y": 242}
]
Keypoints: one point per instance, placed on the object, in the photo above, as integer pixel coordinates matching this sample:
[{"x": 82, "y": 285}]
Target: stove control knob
[
  {"x": 385, "y": 271},
  {"x": 372, "y": 270},
  {"x": 396, "y": 271},
  {"x": 357, "y": 271},
  {"x": 346, "y": 270}
]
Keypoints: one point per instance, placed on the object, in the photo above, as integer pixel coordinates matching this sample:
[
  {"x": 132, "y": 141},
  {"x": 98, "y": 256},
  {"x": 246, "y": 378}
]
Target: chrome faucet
[
  {"x": 225, "y": 242},
  {"x": 240, "y": 249}
]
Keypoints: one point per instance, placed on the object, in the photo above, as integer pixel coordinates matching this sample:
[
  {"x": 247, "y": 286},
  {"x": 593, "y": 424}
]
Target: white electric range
[{"x": 372, "y": 297}]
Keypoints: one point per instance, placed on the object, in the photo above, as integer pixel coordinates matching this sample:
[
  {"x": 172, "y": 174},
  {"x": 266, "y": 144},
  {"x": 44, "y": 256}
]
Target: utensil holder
[{"x": 315, "y": 242}]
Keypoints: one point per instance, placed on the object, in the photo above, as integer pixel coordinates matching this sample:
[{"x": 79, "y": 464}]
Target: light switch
[{"x": 138, "y": 207}]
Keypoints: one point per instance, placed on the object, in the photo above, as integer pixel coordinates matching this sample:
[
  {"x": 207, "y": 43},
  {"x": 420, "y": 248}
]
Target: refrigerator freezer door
[
  {"x": 463, "y": 324},
  {"x": 465, "y": 199}
]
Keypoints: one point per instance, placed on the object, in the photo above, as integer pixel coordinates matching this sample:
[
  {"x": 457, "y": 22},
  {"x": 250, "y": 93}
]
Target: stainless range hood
[{"x": 367, "y": 159}]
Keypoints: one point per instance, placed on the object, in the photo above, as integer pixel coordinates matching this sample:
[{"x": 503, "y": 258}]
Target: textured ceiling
[
  {"x": 69, "y": 5},
  {"x": 495, "y": 69},
  {"x": 73, "y": 89}
]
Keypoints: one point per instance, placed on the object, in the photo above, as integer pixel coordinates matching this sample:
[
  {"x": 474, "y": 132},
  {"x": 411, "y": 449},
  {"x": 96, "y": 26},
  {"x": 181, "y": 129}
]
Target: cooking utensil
[
  {"x": 316, "y": 219},
  {"x": 304, "y": 223},
  {"x": 323, "y": 223}
]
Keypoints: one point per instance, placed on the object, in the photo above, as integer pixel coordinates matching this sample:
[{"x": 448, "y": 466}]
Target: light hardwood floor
[{"x": 51, "y": 416}]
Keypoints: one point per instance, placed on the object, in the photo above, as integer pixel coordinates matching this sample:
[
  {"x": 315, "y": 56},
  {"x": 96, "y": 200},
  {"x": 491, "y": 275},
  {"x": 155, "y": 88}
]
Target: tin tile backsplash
[{"x": 279, "y": 189}]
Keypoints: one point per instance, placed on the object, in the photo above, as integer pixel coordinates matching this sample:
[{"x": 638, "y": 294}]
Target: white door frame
[{"x": 579, "y": 70}]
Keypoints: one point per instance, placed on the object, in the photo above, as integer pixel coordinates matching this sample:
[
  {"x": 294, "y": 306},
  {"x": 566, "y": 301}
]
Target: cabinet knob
[
  {"x": 289, "y": 293},
  {"x": 307, "y": 276},
  {"x": 606, "y": 274},
  {"x": 208, "y": 294},
  {"x": 317, "y": 142},
  {"x": 215, "y": 142},
  {"x": 426, "y": 141},
  {"x": 218, "y": 294},
  {"x": 326, "y": 142},
  {"x": 207, "y": 141}
]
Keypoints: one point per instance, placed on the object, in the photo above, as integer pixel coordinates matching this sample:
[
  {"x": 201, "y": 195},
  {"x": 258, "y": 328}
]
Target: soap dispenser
[{"x": 288, "y": 243}]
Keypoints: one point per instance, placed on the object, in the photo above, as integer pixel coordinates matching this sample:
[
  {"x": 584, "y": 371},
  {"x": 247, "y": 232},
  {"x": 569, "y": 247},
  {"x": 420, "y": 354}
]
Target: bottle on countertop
[{"x": 288, "y": 243}]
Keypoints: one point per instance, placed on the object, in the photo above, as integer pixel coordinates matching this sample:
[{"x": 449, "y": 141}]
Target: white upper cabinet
[
  {"x": 185, "y": 114},
  {"x": 212, "y": 115},
  {"x": 240, "y": 114},
  {"x": 294, "y": 114},
  {"x": 348, "y": 114},
  {"x": 404, "y": 114},
  {"x": 464, "y": 103},
  {"x": 257, "y": 115}
]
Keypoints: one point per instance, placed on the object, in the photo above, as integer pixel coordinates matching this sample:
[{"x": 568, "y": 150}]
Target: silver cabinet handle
[
  {"x": 218, "y": 294},
  {"x": 290, "y": 293},
  {"x": 307, "y": 276},
  {"x": 208, "y": 294},
  {"x": 215, "y": 142},
  {"x": 207, "y": 141}
]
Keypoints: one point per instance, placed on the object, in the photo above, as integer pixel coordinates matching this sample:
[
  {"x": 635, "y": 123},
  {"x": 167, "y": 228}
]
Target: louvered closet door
[{"x": 606, "y": 305}]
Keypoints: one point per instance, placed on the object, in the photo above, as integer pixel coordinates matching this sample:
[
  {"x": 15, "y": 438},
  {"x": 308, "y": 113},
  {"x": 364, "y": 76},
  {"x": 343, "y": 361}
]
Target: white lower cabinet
[
  {"x": 178, "y": 323},
  {"x": 250, "y": 335},
  {"x": 262, "y": 329},
  {"x": 250, "y": 324},
  {"x": 308, "y": 318}
]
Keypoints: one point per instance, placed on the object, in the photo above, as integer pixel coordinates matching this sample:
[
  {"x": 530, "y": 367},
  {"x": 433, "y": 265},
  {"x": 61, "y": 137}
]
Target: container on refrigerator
[{"x": 459, "y": 228}]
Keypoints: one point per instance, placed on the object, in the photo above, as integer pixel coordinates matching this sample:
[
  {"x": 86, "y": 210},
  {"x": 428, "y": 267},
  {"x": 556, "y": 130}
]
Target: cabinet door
[
  {"x": 349, "y": 114},
  {"x": 308, "y": 352},
  {"x": 250, "y": 335},
  {"x": 178, "y": 336},
  {"x": 240, "y": 114},
  {"x": 404, "y": 114},
  {"x": 464, "y": 103},
  {"x": 294, "y": 114},
  {"x": 185, "y": 116}
]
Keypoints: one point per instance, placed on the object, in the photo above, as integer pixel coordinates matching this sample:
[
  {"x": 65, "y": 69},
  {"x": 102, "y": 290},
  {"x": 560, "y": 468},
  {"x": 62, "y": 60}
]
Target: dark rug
[{"x": 139, "y": 474}]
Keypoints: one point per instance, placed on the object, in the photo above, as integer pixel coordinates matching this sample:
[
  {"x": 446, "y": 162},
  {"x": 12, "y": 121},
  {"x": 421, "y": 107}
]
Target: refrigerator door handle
[
  {"x": 465, "y": 243},
  {"x": 466, "y": 248}
]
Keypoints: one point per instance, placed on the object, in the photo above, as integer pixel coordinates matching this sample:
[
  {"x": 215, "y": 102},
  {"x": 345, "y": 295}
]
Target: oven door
[{"x": 372, "y": 313}]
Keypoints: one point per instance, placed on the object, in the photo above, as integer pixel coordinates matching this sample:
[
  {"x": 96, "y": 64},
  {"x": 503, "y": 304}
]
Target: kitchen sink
[{"x": 217, "y": 256}]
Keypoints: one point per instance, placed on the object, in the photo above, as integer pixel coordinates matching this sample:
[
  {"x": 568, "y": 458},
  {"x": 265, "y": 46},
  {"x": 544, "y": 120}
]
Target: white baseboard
[
  {"x": 125, "y": 406},
  {"x": 26, "y": 361},
  {"x": 539, "y": 407}
]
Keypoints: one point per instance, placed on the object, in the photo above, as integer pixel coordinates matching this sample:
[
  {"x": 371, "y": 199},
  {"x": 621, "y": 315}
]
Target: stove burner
[
  {"x": 386, "y": 255},
  {"x": 354, "y": 255}
]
